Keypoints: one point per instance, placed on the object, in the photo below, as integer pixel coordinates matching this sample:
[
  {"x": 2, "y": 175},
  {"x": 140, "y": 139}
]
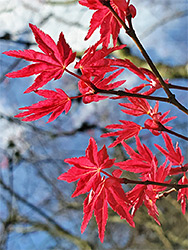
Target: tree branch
[
  {"x": 131, "y": 33},
  {"x": 176, "y": 186}
]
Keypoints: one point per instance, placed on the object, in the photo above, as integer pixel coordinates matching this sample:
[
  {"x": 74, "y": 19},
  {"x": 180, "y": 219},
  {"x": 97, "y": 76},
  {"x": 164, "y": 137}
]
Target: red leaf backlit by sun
[
  {"x": 173, "y": 155},
  {"x": 148, "y": 194},
  {"x": 104, "y": 18},
  {"x": 124, "y": 131},
  {"x": 136, "y": 107},
  {"x": 49, "y": 65},
  {"x": 108, "y": 191},
  {"x": 87, "y": 169},
  {"x": 140, "y": 162},
  {"x": 56, "y": 102},
  {"x": 95, "y": 63},
  {"x": 158, "y": 119}
]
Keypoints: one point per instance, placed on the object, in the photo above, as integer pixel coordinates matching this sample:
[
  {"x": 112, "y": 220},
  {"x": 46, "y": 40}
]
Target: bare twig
[
  {"x": 172, "y": 185},
  {"x": 166, "y": 193}
]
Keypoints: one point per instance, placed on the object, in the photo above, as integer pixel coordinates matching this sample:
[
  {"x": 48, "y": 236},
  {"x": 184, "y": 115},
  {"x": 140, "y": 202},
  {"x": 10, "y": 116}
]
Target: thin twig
[
  {"x": 172, "y": 185},
  {"x": 126, "y": 94},
  {"x": 173, "y": 133},
  {"x": 172, "y": 86},
  {"x": 166, "y": 193},
  {"x": 121, "y": 93}
]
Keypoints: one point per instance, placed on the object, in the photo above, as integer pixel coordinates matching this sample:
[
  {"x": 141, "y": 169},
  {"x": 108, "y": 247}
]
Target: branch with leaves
[{"x": 99, "y": 81}]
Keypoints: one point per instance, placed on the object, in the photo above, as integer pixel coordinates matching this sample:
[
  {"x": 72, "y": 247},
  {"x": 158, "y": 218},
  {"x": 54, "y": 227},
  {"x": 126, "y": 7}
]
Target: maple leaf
[
  {"x": 96, "y": 201},
  {"x": 173, "y": 155},
  {"x": 127, "y": 130},
  {"x": 49, "y": 65},
  {"x": 126, "y": 63},
  {"x": 155, "y": 125},
  {"x": 103, "y": 84},
  {"x": 148, "y": 194},
  {"x": 56, "y": 102},
  {"x": 183, "y": 193},
  {"x": 142, "y": 73},
  {"x": 137, "y": 107},
  {"x": 154, "y": 82},
  {"x": 87, "y": 168},
  {"x": 104, "y": 18},
  {"x": 158, "y": 174},
  {"x": 136, "y": 196},
  {"x": 94, "y": 63},
  {"x": 140, "y": 162},
  {"x": 108, "y": 191}
]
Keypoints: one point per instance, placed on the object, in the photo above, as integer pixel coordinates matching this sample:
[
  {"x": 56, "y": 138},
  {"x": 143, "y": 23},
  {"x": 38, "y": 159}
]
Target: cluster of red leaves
[
  {"x": 94, "y": 65},
  {"x": 90, "y": 170},
  {"x": 104, "y": 191},
  {"x": 137, "y": 107},
  {"x": 104, "y": 16},
  {"x": 146, "y": 163},
  {"x": 148, "y": 194},
  {"x": 176, "y": 159},
  {"x": 90, "y": 96}
]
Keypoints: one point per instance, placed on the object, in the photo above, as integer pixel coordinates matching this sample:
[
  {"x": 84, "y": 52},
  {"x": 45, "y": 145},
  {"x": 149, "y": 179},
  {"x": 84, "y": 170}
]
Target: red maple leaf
[
  {"x": 94, "y": 63},
  {"x": 137, "y": 107},
  {"x": 173, "y": 155},
  {"x": 103, "y": 84},
  {"x": 127, "y": 130},
  {"x": 148, "y": 194},
  {"x": 142, "y": 73},
  {"x": 154, "y": 82},
  {"x": 126, "y": 63},
  {"x": 108, "y": 191},
  {"x": 104, "y": 18},
  {"x": 49, "y": 65},
  {"x": 87, "y": 168},
  {"x": 183, "y": 193},
  {"x": 56, "y": 102},
  {"x": 140, "y": 162}
]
